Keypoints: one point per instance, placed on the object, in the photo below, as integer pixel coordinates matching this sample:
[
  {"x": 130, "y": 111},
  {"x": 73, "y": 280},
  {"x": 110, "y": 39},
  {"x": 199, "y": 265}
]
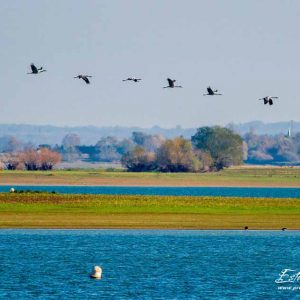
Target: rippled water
[
  {"x": 54, "y": 264},
  {"x": 170, "y": 191}
]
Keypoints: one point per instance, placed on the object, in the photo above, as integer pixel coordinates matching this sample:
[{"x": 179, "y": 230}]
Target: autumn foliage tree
[
  {"x": 48, "y": 159},
  {"x": 42, "y": 159},
  {"x": 30, "y": 159},
  {"x": 11, "y": 161},
  {"x": 177, "y": 156},
  {"x": 139, "y": 160}
]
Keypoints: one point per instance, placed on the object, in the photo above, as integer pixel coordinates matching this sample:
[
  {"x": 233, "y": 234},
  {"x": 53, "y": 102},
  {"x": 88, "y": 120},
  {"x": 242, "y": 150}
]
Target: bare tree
[
  {"x": 9, "y": 144},
  {"x": 69, "y": 144},
  {"x": 71, "y": 140}
]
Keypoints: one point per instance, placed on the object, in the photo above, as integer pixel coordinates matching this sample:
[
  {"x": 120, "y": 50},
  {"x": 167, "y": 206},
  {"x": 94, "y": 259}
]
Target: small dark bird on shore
[
  {"x": 35, "y": 70},
  {"x": 211, "y": 92},
  {"x": 171, "y": 84},
  {"x": 246, "y": 228},
  {"x": 132, "y": 79},
  {"x": 84, "y": 77},
  {"x": 284, "y": 229}
]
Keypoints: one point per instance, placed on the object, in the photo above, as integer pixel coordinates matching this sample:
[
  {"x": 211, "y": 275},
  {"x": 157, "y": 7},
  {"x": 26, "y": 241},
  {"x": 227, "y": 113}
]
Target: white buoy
[
  {"x": 97, "y": 273},
  {"x": 11, "y": 190}
]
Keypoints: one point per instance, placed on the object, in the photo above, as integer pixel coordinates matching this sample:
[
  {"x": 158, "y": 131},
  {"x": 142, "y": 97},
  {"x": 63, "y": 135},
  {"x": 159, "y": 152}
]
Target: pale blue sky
[{"x": 246, "y": 49}]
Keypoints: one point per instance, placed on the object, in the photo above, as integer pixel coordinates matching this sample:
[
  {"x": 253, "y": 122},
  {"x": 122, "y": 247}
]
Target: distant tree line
[
  {"x": 209, "y": 149},
  {"x": 107, "y": 149},
  {"x": 272, "y": 149}
]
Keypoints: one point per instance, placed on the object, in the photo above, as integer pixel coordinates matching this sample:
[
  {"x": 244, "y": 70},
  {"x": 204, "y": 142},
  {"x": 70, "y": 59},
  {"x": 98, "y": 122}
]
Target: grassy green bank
[
  {"x": 237, "y": 176},
  {"x": 165, "y": 212}
]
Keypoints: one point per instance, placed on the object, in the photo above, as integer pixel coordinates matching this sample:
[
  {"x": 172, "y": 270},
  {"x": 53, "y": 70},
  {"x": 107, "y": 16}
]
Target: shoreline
[
  {"x": 231, "y": 177},
  {"x": 97, "y": 211},
  {"x": 142, "y": 229},
  {"x": 151, "y": 186}
]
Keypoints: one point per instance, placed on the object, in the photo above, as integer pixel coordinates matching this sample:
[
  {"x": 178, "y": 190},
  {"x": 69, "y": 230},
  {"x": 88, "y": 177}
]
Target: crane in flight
[
  {"x": 35, "y": 70},
  {"x": 211, "y": 92},
  {"x": 84, "y": 77},
  {"x": 268, "y": 99},
  {"x": 132, "y": 79},
  {"x": 171, "y": 84}
]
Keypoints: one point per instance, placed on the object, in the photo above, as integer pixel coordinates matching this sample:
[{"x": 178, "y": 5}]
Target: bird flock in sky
[{"x": 171, "y": 84}]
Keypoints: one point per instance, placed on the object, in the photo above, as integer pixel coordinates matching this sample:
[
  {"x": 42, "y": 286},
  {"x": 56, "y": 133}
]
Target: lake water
[
  {"x": 145, "y": 264},
  {"x": 170, "y": 191}
]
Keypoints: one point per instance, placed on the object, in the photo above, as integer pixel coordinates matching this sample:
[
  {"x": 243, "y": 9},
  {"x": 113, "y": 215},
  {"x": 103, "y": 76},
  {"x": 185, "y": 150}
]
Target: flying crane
[
  {"x": 211, "y": 92},
  {"x": 35, "y": 70},
  {"x": 84, "y": 77},
  {"x": 132, "y": 79},
  {"x": 171, "y": 84},
  {"x": 268, "y": 99}
]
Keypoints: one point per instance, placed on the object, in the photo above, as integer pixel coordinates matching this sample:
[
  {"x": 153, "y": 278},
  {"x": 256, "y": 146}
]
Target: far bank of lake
[{"x": 243, "y": 176}]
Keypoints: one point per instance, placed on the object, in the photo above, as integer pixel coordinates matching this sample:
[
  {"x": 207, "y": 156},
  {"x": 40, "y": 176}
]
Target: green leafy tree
[
  {"x": 224, "y": 146},
  {"x": 205, "y": 159}
]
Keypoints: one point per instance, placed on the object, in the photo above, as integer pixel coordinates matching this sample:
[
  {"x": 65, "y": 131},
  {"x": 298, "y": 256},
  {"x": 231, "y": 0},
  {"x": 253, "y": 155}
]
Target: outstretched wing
[
  {"x": 34, "y": 68},
  {"x": 86, "y": 79},
  {"x": 170, "y": 82},
  {"x": 210, "y": 91}
]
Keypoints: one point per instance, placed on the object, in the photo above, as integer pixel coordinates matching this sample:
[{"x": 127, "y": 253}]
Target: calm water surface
[
  {"x": 54, "y": 264},
  {"x": 170, "y": 191}
]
